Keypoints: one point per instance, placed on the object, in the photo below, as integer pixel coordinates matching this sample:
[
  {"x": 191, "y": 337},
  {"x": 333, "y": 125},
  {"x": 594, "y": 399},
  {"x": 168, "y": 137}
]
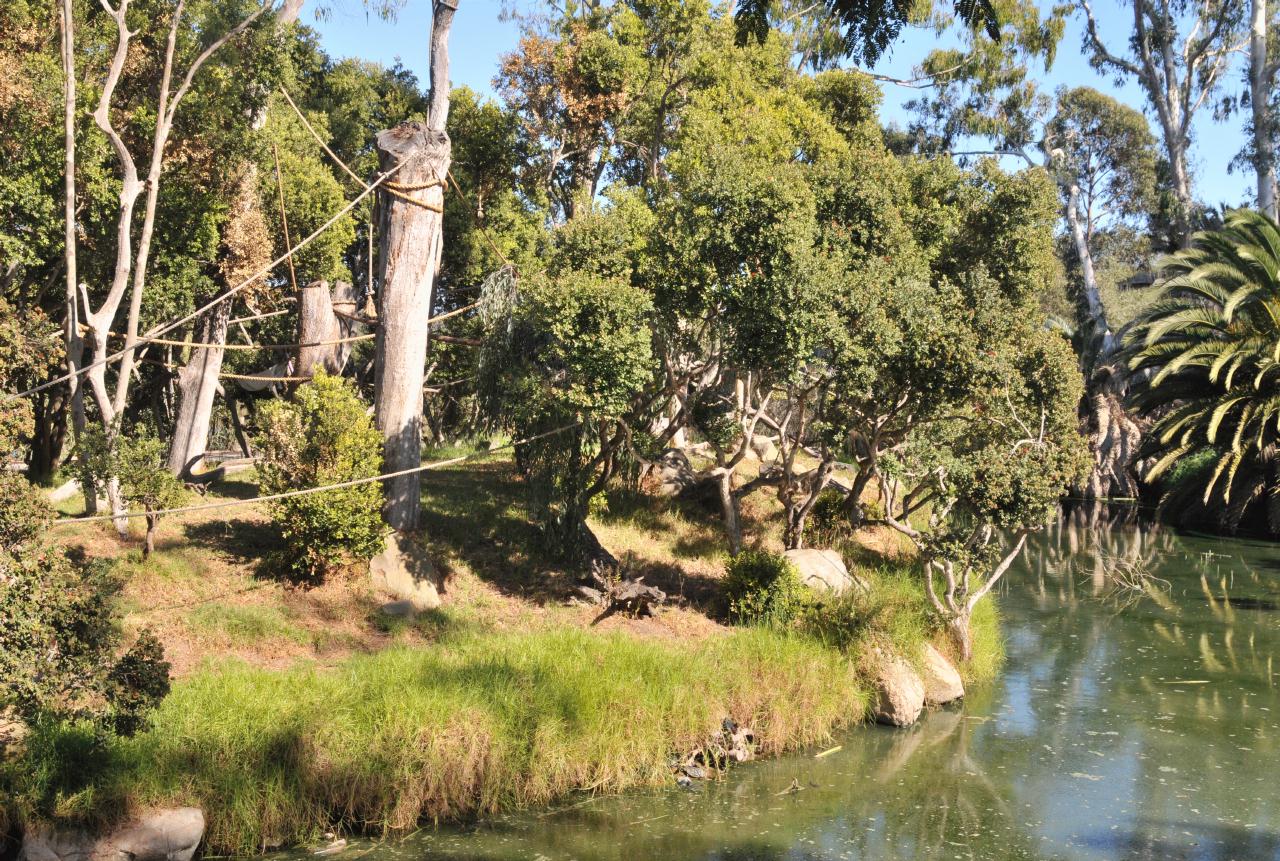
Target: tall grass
[{"x": 472, "y": 725}]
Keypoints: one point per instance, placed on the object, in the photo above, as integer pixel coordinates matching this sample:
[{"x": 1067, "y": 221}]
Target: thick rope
[
  {"x": 169, "y": 327},
  {"x": 231, "y": 503}
]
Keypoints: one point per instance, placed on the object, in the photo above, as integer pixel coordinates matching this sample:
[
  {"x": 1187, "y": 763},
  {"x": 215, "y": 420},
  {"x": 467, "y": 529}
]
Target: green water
[{"x": 1123, "y": 727}]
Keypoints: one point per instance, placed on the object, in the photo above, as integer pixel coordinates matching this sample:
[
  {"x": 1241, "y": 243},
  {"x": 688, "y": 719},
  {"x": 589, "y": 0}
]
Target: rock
[
  {"x": 823, "y": 571},
  {"x": 764, "y": 448},
  {"x": 405, "y": 570},
  {"x": 165, "y": 835},
  {"x": 684, "y": 782},
  {"x": 674, "y": 473},
  {"x": 942, "y": 683},
  {"x": 899, "y": 693}
]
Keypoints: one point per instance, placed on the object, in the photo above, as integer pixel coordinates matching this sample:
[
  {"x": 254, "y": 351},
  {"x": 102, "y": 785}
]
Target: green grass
[
  {"x": 470, "y": 725},
  {"x": 248, "y": 625}
]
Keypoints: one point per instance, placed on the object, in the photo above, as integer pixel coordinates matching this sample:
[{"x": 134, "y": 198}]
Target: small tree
[
  {"x": 969, "y": 490},
  {"x": 581, "y": 354},
  {"x": 137, "y": 462},
  {"x": 323, "y": 436}
]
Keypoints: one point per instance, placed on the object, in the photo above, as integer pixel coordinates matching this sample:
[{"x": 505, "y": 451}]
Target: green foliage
[
  {"x": 322, "y": 436},
  {"x": 894, "y": 614},
  {"x": 764, "y": 588},
  {"x": 1208, "y": 346},
  {"x": 59, "y": 638},
  {"x": 25, "y": 513}
]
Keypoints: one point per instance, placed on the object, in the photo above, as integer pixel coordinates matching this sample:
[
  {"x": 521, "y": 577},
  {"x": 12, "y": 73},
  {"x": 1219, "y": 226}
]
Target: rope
[
  {"x": 231, "y": 503},
  {"x": 368, "y": 322},
  {"x": 164, "y": 342},
  {"x": 320, "y": 140},
  {"x": 284, "y": 219},
  {"x": 250, "y": 319},
  {"x": 422, "y": 186},
  {"x": 430, "y": 207},
  {"x": 220, "y": 299},
  {"x": 262, "y": 379}
]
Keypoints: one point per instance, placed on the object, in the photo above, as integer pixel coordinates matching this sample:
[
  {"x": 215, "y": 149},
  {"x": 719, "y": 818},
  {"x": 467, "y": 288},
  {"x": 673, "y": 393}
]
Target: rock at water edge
[
  {"x": 942, "y": 682},
  {"x": 899, "y": 693},
  {"x": 165, "y": 835}
]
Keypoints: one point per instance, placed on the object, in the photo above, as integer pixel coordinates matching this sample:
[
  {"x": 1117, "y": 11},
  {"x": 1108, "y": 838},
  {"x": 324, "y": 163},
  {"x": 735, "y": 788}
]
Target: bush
[
  {"x": 323, "y": 436},
  {"x": 138, "y": 463},
  {"x": 765, "y": 589},
  {"x": 60, "y": 632}
]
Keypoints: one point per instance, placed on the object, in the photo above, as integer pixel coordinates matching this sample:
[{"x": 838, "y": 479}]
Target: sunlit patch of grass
[
  {"x": 472, "y": 724},
  {"x": 247, "y": 625},
  {"x": 987, "y": 645}
]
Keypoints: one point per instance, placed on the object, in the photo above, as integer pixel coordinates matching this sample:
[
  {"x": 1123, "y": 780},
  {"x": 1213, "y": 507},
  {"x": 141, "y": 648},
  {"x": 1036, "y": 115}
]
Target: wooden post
[{"x": 410, "y": 244}]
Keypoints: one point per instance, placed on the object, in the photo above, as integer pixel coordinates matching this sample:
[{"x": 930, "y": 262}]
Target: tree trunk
[
  {"x": 729, "y": 505},
  {"x": 319, "y": 323},
  {"x": 149, "y": 543},
  {"x": 1095, "y": 313},
  {"x": 71, "y": 334},
  {"x": 1260, "y": 80},
  {"x": 197, "y": 387},
  {"x": 961, "y": 634},
  {"x": 411, "y": 237}
]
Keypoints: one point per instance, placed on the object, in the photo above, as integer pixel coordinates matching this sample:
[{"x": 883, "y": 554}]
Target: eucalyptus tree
[
  {"x": 1103, "y": 158},
  {"x": 1178, "y": 52}
]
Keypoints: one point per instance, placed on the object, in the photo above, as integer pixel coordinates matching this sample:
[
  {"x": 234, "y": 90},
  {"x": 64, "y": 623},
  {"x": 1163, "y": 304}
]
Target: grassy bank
[
  {"x": 297, "y": 711},
  {"x": 475, "y": 724}
]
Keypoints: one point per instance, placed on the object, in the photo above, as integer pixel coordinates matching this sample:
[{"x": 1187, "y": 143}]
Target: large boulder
[
  {"x": 165, "y": 835},
  {"x": 942, "y": 682},
  {"x": 673, "y": 473},
  {"x": 824, "y": 571},
  {"x": 899, "y": 693}
]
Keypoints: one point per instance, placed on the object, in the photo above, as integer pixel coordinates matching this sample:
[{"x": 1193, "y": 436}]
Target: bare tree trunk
[
  {"x": 197, "y": 387},
  {"x": 320, "y": 325},
  {"x": 410, "y": 247},
  {"x": 1095, "y": 310},
  {"x": 74, "y": 341},
  {"x": 1261, "y": 77},
  {"x": 729, "y": 505},
  {"x": 149, "y": 543}
]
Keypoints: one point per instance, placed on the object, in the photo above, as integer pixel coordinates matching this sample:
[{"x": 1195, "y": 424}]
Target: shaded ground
[{"x": 203, "y": 593}]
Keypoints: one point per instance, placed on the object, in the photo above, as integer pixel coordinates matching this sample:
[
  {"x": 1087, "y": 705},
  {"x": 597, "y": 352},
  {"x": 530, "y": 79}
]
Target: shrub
[
  {"x": 764, "y": 589},
  {"x": 893, "y": 614},
  {"x": 59, "y": 640},
  {"x": 137, "y": 462},
  {"x": 323, "y": 436}
]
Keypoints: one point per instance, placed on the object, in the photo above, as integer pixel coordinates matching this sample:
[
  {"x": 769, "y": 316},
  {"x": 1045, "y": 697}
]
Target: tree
[
  {"x": 411, "y": 238},
  {"x": 1103, "y": 158},
  {"x": 1208, "y": 346},
  {"x": 1178, "y": 54},
  {"x": 867, "y": 27},
  {"x": 137, "y": 462},
  {"x": 968, "y": 491}
]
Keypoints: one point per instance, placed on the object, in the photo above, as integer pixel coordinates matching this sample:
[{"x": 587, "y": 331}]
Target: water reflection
[{"x": 1120, "y": 730}]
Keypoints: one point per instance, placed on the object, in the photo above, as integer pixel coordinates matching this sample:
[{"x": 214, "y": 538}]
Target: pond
[{"x": 1126, "y": 725}]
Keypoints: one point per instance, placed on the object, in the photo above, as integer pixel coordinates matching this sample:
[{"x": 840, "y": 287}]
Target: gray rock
[
  {"x": 405, "y": 571},
  {"x": 764, "y": 448},
  {"x": 899, "y": 693},
  {"x": 942, "y": 683},
  {"x": 823, "y": 571},
  {"x": 165, "y": 835},
  {"x": 674, "y": 473}
]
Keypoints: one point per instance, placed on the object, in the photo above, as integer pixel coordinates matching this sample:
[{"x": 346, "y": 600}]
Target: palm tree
[{"x": 1210, "y": 350}]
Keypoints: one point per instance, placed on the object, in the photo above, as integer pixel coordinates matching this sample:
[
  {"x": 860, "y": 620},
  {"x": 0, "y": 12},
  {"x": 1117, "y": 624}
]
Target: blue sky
[{"x": 479, "y": 38}]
